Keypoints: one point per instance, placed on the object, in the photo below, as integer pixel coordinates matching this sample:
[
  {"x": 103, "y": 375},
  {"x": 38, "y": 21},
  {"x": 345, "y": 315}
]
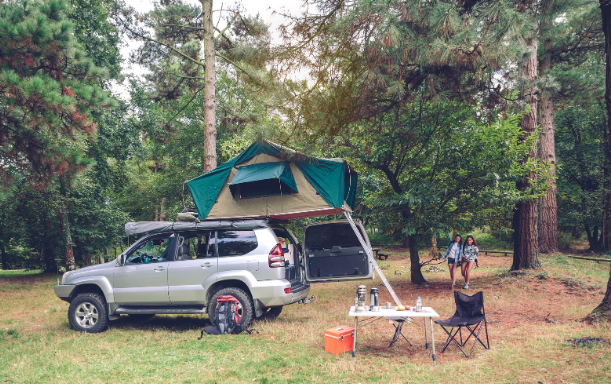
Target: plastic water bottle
[{"x": 418, "y": 304}]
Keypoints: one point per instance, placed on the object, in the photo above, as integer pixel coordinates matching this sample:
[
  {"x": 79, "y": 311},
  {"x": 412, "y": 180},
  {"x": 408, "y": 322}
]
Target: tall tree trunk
[
  {"x": 406, "y": 242},
  {"x": 162, "y": 215},
  {"x": 525, "y": 245},
  {"x": 603, "y": 311},
  {"x": 416, "y": 273},
  {"x": 65, "y": 224},
  {"x": 47, "y": 246},
  {"x": 70, "y": 265},
  {"x": 87, "y": 260},
  {"x": 548, "y": 236},
  {"x": 434, "y": 249},
  {"x": 209, "y": 88},
  {"x": 4, "y": 257},
  {"x": 104, "y": 255}
]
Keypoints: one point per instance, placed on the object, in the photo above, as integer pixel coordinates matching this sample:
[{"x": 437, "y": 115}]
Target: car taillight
[
  {"x": 287, "y": 290},
  {"x": 276, "y": 257}
]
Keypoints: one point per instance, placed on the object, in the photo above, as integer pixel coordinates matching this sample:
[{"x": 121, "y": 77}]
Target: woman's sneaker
[{"x": 466, "y": 285}]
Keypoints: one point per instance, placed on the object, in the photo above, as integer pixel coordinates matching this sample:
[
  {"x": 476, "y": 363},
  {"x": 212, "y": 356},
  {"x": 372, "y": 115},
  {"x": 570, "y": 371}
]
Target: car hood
[{"x": 87, "y": 271}]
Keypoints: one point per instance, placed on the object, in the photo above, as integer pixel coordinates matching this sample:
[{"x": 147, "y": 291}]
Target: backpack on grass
[{"x": 227, "y": 318}]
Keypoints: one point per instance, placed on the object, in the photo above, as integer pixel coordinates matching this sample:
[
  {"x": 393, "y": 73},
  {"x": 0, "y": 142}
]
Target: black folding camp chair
[{"x": 469, "y": 314}]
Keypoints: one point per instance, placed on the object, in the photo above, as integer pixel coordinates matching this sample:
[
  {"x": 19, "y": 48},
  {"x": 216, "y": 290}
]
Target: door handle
[
  {"x": 159, "y": 269},
  {"x": 206, "y": 265}
]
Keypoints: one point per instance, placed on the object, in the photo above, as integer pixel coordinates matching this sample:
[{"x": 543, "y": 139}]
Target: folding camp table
[{"x": 401, "y": 317}]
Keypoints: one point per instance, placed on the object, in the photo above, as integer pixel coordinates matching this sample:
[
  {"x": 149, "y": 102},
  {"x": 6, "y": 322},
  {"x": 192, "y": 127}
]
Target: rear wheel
[
  {"x": 87, "y": 313},
  {"x": 270, "y": 313},
  {"x": 246, "y": 309}
]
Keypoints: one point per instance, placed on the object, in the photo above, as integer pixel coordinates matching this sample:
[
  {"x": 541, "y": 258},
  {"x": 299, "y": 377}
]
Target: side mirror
[{"x": 121, "y": 260}]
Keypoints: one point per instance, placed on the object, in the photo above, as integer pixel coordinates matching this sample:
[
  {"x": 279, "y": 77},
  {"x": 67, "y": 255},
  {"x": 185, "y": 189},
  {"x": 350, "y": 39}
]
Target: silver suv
[{"x": 184, "y": 269}]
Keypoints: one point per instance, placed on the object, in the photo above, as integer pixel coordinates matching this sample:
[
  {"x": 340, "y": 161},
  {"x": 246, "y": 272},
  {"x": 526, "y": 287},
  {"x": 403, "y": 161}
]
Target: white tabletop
[{"x": 394, "y": 314}]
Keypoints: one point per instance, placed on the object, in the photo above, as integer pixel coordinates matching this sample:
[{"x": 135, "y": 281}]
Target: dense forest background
[{"x": 458, "y": 115}]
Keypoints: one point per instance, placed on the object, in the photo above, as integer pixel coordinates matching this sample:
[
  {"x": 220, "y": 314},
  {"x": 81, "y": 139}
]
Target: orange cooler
[{"x": 339, "y": 340}]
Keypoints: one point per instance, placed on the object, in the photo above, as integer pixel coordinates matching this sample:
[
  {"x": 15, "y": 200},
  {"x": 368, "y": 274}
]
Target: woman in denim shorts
[
  {"x": 469, "y": 257},
  {"x": 453, "y": 254}
]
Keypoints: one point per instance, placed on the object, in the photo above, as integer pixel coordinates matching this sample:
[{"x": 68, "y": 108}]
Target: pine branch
[
  {"x": 184, "y": 26},
  {"x": 222, "y": 33},
  {"x": 168, "y": 46},
  {"x": 185, "y": 106}
]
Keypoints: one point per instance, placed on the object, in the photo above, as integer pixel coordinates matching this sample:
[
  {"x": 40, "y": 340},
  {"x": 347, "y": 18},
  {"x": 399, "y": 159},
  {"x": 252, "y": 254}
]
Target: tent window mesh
[{"x": 262, "y": 188}]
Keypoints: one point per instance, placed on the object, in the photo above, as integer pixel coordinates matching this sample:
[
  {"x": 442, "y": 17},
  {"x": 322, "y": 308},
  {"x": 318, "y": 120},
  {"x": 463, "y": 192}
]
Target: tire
[
  {"x": 271, "y": 313},
  {"x": 141, "y": 316},
  {"x": 88, "y": 313},
  {"x": 247, "y": 311}
]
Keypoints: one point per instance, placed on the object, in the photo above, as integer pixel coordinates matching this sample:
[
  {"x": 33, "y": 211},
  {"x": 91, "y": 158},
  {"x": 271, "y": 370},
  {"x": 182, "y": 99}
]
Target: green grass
[{"x": 37, "y": 344}]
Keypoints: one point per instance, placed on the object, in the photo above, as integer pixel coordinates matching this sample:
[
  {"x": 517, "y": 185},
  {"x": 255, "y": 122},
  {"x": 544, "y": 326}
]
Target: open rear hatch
[{"x": 334, "y": 253}]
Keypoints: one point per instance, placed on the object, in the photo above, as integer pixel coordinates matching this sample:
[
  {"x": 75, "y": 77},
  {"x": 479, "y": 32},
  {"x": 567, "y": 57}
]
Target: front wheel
[
  {"x": 246, "y": 309},
  {"x": 88, "y": 313}
]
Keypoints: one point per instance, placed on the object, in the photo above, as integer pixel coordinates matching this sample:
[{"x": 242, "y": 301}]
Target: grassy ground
[{"x": 531, "y": 317}]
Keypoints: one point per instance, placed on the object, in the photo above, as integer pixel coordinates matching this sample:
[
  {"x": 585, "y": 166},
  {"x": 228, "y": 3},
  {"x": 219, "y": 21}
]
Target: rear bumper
[
  {"x": 63, "y": 291},
  {"x": 271, "y": 293}
]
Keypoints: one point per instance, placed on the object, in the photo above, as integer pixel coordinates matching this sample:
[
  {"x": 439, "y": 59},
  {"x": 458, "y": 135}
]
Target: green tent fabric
[
  {"x": 322, "y": 174},
  {"x": 253, "y": 176},
  {"x": 351, "y": 182}
]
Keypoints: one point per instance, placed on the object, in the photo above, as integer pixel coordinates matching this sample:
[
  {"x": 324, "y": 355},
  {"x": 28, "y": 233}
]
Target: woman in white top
[{"x": 454, "y": 254}]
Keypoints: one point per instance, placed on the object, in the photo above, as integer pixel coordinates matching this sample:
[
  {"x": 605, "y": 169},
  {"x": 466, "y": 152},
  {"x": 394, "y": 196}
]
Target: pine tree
[
  {"x": 47, "y": 93},
  {"x": 603, "y": 310},
  {"x": 182, "y": 32}
]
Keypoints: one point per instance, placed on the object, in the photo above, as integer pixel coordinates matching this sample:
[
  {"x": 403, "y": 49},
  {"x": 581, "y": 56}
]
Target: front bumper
[{"x": 64, "y": 291}]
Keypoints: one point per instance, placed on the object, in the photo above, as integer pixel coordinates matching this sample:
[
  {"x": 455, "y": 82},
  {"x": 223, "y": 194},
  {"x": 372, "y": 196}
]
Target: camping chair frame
[{"x": 477, "y": 326}]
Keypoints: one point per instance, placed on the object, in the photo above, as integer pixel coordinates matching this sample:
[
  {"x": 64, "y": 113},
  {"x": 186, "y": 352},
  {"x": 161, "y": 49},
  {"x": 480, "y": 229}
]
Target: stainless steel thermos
[{"x": 375, "y": 300}]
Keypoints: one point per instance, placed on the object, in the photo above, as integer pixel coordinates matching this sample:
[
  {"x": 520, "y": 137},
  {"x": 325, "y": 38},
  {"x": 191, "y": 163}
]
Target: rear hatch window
[{"x": 324, "y": 237}]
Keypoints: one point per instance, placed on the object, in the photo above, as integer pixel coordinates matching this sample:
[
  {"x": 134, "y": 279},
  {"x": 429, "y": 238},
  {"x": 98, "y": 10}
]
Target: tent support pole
[{"x": 367, "y": 247}]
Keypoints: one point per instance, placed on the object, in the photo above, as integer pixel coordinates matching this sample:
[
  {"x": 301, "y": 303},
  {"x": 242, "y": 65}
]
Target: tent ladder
[{"x": 367, "y": 247}]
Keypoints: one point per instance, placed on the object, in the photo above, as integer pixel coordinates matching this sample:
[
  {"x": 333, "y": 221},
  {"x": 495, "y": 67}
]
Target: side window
[
  {"x": 236, "y": 243},
  {"x": 195, "y": 246},
  {"x": 154, "y": 250}
]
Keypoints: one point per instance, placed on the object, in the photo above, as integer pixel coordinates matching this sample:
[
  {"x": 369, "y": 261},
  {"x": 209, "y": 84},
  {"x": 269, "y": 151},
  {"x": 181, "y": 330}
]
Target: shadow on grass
[{"x": 172, "y": 323}]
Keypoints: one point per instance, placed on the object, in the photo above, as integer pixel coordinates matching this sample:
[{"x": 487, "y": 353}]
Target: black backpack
[
  {"x": 227, "y": 317},
  {"x": 226, "y": 314}
]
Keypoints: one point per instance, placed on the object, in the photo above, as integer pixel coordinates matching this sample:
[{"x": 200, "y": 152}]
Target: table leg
[
  {"x": 433, "y": 342},
  {"x": 356, "y": 324},
  {"x": 426, "y": 338}
]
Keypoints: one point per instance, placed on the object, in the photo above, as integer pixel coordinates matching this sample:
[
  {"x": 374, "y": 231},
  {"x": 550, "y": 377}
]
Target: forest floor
[{"x": 531, "y": 317}]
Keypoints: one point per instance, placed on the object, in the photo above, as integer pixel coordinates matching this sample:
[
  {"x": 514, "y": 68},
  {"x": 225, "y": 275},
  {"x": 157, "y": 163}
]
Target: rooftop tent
[{"x": 268, "y": 180}]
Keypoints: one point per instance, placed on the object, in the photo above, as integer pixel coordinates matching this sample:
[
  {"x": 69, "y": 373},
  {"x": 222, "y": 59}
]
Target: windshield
[{"x": 327, "y": 236}]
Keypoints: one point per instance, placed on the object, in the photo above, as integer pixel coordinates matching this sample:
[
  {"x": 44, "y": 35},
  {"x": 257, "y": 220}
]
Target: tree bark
[
  {"x": 416, "y": 273},
  {"x": 406, "y": 242},
  {"x": 162, "y": 214},
  {"x": 525, "y": 218},
  {"x": 603, "y": 311},
  {"x": 548, "y": 236},
  {"x": 4, "y": 257},
  {"x": 48, "y": 250},
  {"x": 65, "y": 224},
  {"x": 434, "y": 249},
  {"x": 87, "y": 260},
  {"x": 209, "y": 88}
]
